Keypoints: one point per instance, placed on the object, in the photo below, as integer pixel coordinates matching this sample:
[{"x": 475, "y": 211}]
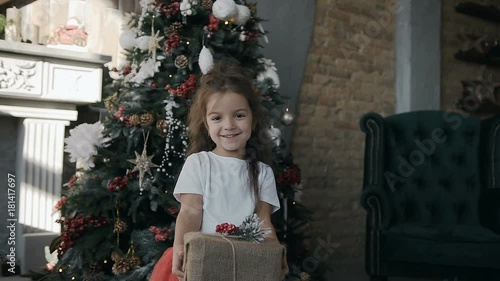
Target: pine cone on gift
[
  {"x": 120, "y": 226},
  {"x": 181, "y": 61},
  {"x": 111, "y": 103},
  {"x": 121, "y": 266},
  {"x": 147, "y": 119},
  {"x": 134, "y": 120},
  {"x": 207, "y": 4},
  {"x": 174, "y": 28}
]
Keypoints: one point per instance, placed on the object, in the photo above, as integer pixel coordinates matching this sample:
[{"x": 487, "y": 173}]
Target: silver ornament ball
[{"x": 287, "y": 117}]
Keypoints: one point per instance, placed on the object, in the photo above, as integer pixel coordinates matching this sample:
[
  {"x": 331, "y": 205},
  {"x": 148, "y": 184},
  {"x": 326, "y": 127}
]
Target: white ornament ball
[
  {"x": 269, "y": 73},
  {"x": 142, "y": 43},
  {"x": 243, "y": 14},
  {"x": 127, "y": 39},
  {"x": 189, "y": 12},
  {"x": 206, "y": 60},
  {"x": 224, "y": 9}
]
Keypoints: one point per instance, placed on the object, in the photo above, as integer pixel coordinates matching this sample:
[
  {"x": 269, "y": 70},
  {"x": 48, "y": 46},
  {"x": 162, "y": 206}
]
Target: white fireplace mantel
[
  {"x": 50, "y": 77},
  {"x": 42, "y": 87}
]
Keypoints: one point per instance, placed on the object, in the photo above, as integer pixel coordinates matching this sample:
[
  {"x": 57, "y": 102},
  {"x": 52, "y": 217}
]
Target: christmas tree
[{"x": 117, "y": 212}]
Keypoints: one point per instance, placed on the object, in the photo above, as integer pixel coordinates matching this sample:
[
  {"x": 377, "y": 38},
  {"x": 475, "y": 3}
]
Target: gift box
[{"x": 220, "y": 258}]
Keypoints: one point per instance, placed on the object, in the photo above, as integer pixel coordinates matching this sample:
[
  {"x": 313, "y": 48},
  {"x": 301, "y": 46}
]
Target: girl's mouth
[{"x": 230, "y": 136}]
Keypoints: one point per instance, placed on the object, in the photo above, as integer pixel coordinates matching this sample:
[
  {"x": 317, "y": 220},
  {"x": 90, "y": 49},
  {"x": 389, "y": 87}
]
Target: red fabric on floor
[{"x": 163, "y": 268}]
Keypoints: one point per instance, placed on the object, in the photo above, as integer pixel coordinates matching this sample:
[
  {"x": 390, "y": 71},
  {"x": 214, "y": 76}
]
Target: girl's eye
[
  {"x": 240, "y": 115},
  {"x": 216, "y": 118}
]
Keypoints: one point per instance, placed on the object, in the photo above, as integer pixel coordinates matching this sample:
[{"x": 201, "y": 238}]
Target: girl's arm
[
  {"x": 264, "y": 214},
  {"x": 188, "y": 219}
]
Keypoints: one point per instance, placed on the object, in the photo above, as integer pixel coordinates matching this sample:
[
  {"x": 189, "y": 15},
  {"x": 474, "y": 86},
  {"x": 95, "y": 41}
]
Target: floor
[
  {"x": 342, "y": 272},
  {"x": 356, "y": 272}
]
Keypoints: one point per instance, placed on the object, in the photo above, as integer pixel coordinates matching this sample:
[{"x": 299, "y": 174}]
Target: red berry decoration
[
  {"x": 73, "y": 228},
  {"x": 185, "y": 89},
  {"x": 226, "y": 228},
  {"x": 161, "y": 234},
  {"x": 118, "y": 183},
  {"x": 290, "y": 176}
]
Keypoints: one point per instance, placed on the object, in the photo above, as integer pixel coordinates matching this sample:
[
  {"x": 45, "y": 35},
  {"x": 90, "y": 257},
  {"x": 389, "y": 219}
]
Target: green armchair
[{"x": 431, "y": 190}]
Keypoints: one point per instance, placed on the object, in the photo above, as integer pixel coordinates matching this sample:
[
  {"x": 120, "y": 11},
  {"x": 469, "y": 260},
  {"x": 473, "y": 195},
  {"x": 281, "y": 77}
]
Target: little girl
[{"x": 224, "y": 178}]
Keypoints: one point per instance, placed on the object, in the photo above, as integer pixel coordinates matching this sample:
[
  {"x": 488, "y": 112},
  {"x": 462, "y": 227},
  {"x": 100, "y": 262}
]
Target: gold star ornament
[
  {"x": 154, "y": 40},
  {"x": 143, "y": 164}
]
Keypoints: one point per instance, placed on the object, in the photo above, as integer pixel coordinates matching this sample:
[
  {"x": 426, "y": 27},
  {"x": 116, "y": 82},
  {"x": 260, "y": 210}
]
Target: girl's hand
[
  {"x": 285, "y": 268},
  {"x": 177, "y": 263}
]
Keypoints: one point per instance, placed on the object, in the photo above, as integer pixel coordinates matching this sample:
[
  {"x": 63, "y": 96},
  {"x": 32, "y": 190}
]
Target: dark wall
[{"x": 290, "y": 26}]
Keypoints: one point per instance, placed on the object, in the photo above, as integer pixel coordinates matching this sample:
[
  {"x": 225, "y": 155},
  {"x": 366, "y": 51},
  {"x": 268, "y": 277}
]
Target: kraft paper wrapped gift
[{"x": 211, "y": 258}]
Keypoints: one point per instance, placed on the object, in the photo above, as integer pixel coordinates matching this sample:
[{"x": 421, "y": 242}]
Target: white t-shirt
[{"x": 223, "y": 183}]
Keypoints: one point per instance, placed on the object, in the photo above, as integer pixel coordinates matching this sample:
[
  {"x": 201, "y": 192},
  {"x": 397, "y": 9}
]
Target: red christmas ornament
[{"x": 154, "y": 85}]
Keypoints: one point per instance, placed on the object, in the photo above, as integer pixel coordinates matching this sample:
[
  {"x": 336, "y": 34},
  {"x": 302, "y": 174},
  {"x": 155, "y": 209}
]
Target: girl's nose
[{"x": 229, "y": 125}]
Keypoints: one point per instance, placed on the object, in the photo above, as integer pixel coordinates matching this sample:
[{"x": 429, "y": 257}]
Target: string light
[
  {"x": 170, "y": 75},
  {"x": 187, "y": 42},
  {"x": 105, "y": 261},
  {"x": 60, "y": 269},
  {"x": 73, "y": 278},
  {"x": 226, "y": 22}
]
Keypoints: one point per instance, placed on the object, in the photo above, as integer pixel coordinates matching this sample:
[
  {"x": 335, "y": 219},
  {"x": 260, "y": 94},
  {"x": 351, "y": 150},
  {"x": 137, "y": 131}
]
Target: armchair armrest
[
  {"x": 376, "y": 202},
  {"x": 489, "y": 209},
  {"x": 491, "y": 152}
]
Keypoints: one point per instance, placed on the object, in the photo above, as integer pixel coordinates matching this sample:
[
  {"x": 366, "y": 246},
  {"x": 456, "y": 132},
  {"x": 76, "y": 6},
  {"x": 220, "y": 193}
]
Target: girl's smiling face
[{"x": 229, "y": 123}]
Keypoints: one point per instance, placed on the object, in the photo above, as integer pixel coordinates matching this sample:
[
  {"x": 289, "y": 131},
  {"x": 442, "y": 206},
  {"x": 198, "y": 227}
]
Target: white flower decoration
[
  {"x": 270, "y": 72},
  {"x": 148, "y": 68},
  {"x": 83, "y": 142}
]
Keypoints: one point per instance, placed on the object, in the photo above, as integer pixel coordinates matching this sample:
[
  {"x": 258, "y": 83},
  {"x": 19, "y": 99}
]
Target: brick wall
[
  {"x": 453, "y": 70},
  {"x": 350, "y": 71}
]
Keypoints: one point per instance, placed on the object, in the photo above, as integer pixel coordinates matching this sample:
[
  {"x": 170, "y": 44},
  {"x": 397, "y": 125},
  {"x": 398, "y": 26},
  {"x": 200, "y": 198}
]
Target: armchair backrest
[{"x": 432, "y": 164}]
